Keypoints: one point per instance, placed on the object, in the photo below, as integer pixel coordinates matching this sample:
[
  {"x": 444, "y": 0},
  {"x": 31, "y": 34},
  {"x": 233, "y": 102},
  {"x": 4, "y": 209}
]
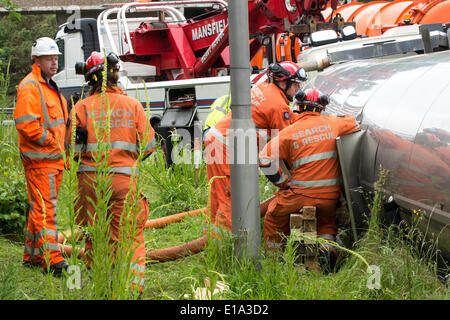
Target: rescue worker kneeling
[
  {"x": 128, "y": 129},
  {"x": 308, "y": 148},
  {"x": 270, "y": 110}
]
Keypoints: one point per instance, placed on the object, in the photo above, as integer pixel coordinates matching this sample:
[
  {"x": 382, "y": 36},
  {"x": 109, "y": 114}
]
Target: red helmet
[
  {"x": 286, "y": 70},
  {"x": 311, "y": 99},
  {"x": 95, "y": 63}
]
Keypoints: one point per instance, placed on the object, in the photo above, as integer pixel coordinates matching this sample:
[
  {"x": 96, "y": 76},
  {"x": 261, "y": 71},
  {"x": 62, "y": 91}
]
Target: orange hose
[
  {"x": 162, "y": 222},
  {"x": 171, "y": 253},
  {"x": 180, "y": 251}
]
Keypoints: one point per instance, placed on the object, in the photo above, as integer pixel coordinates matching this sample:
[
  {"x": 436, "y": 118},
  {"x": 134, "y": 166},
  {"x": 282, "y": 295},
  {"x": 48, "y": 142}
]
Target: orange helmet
[{"x": 286, "y": 70}]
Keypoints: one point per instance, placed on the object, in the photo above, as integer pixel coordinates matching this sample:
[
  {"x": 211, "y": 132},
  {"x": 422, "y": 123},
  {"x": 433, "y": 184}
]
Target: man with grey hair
[{"x": 41, "y": 117}]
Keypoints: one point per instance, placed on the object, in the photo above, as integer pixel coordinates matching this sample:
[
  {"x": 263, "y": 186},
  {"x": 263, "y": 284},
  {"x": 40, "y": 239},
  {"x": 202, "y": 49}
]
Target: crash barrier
[{"x": 6, "y": 116}]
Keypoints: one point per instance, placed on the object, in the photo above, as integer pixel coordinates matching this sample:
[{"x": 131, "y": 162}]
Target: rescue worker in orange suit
[
  {"x": 270, "y": 110},
  {"x": 130, "y": 133},
  {"x": 41, "y": 117},
  {"x": 308, "y": 148},
  {"x": 422, "y": 171}
]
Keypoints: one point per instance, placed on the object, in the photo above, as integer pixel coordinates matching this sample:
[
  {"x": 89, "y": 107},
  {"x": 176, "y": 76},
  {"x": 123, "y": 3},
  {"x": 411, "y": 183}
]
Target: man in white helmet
[{"x": 41, "y": 118}]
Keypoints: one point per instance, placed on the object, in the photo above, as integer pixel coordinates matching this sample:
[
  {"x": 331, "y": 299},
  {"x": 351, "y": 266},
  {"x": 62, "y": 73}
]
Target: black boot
[
  {"x": 327, "y": 260},
  {"x": 57, "y": 268}
]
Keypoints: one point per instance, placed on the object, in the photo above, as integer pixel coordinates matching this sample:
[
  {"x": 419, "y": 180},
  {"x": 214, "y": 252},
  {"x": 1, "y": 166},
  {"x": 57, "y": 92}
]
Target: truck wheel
[{"x": 164, "y": 137}]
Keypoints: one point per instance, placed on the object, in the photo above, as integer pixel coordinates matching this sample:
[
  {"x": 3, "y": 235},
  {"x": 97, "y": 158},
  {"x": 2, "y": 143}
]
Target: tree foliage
[{"x": 17, "y": 35}]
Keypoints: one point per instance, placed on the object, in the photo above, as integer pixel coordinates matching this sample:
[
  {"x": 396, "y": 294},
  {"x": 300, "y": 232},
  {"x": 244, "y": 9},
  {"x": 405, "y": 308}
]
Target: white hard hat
[{"x": 44, "y": 47}]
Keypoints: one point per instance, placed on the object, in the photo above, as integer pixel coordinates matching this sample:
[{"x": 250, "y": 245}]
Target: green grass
[{"x": 405, "y": 274}]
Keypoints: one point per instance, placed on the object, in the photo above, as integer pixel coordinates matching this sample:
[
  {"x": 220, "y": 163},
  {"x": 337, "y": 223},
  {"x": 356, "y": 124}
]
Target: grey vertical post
[{"x": 243, "y": 148}]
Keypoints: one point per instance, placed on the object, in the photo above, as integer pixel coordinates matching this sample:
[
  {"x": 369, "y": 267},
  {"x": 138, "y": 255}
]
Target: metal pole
[{"x": 243, "y": 149}]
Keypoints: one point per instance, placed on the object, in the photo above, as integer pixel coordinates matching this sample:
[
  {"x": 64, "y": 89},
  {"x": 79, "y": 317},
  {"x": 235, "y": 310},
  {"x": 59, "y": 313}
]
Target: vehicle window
[{"x": 60, "y": 43}]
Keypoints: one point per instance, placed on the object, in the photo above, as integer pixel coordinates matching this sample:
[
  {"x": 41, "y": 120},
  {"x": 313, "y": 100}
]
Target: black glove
[{"x": 81, "y": 135}]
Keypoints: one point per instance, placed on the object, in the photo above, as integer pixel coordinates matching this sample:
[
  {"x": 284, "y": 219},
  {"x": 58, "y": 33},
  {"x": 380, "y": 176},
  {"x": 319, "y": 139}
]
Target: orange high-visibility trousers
[
  {"x": 287, "y": 201},
  {"x": 219, "y": 207},
  {"x": 120, "y": 185},
  {"x": 42, "y": 233}
]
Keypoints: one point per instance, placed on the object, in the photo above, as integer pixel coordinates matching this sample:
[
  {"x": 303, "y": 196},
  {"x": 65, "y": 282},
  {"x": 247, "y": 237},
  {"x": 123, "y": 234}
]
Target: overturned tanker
[{"x": 404, "y": 108}]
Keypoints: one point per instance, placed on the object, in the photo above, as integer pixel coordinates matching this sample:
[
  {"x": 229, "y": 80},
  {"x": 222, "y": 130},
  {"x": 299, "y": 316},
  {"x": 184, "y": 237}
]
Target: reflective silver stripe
[
  {"x": 139, "y": 281},
  {"x": 265, "y": 161},
  {"x": 44, "y": 232},
  {"x": 43, "y": 137},
  {"x": 32, "y": 251},
  {"x": 137, "y": 267},
  {"x": 150, "y": 145},
  {"x": 124, "y": 170},
  {"x": 316, "y": 183},
  {"x": 43, "y": 106},
  {"x": 282, "y": 179},
  {"x": 41, "y": 250},
  {"x": 47, "y": 123},
  {"x": 115, "y": 145},
  {"x": 32, "y": 206},
  {"x": 50, "y": 246},
  {"x": 30, "y": 117},
  {"x": 86, "y": 168},
  {"x": 314, "y": 157},
  {"x": 327, "y": 237},
  {"x": 221, "y": 107},
  {"x": 54, "y": 123},
  {"x": 30, "y": 235},
  {"x": 41, "y": 155},
  {"x": 79, "y": 147},
  {"x": 218, "y": 135},
  {"x": 53, "y": 199}
]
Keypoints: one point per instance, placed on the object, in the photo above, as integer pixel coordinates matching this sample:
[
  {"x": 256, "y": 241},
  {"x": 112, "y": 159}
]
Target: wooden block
[
  {"x": 309, "y": 212},
  {"x": 310, "y": 250},
  {"x": 312, "y": 264},
  {"x": 310, "y": 225},
  {"x": 296, "y": 221},
  {"x": 299, "y": 247},
  {"x": 296, "y": 235},
  {"x": 311, "y": 235}
]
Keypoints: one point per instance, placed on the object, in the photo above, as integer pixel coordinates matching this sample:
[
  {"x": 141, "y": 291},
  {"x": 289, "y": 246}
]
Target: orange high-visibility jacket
[
  {"x": 40, "y": 116},
  {"x": 129, "y": 129},
  {"x": 270, "y": 110},
  {"x": 308, "y": 147}
]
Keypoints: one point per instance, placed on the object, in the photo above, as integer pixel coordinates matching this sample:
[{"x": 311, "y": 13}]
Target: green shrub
[{"x": 13, "y": 199}]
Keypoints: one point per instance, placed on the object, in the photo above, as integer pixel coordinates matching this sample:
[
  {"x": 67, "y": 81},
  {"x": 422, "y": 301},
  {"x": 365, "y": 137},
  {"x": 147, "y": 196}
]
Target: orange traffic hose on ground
[
  {"x": 180, "y": 251},
  {"x": 162, "y": 222},
  {"x": 167, "y": 254}
]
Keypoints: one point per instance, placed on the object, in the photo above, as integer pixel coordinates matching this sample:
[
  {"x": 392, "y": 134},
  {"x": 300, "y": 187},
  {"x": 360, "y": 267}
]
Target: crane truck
[{"x": 177, "y": 66}]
